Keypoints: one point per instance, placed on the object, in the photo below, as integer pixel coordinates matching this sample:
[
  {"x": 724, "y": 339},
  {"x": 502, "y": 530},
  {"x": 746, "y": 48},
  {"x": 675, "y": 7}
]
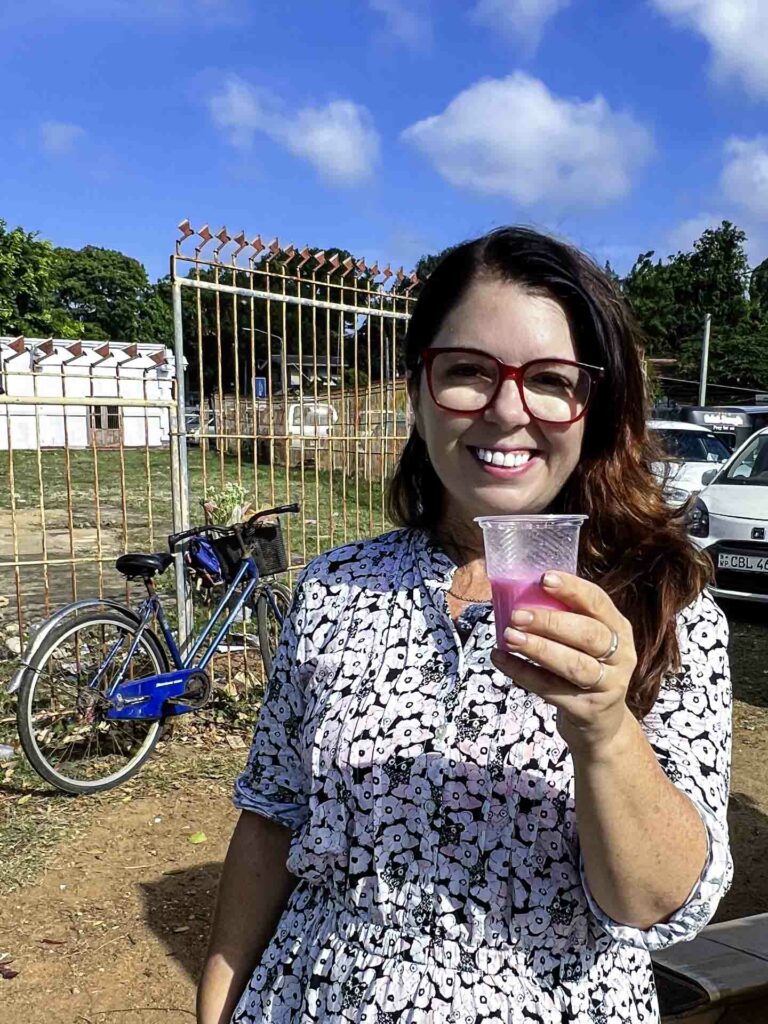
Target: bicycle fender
[{"x": 55, "y": 620}]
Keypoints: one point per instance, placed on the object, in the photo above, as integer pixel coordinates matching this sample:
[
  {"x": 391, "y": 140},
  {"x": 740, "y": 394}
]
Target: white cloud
[
  {"x": 521, "y": 19},
  {"x": 59, "y": 137},
  {"x": 684, "y": 234},
  {"x": 745, "y": 176},
  {"x": 735, "y": 29},
  {"x": 338, "y": 139},
  {"x": 405, "y": 21},
  {"x": 512, "y": 137}
]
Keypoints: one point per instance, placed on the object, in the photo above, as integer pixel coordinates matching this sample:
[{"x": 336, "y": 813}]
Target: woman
[{"x": 435, "y": 830}]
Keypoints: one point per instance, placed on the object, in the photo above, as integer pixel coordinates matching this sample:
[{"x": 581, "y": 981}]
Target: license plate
[{"x": 746, "y": 563}]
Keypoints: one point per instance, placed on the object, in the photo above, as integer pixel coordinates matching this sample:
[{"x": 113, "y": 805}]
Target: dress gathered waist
[{"x": 325, "y": 917}]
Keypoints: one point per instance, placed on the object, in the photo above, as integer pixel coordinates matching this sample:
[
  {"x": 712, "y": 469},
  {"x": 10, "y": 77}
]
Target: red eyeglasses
[{"x": 466, "y": 380}]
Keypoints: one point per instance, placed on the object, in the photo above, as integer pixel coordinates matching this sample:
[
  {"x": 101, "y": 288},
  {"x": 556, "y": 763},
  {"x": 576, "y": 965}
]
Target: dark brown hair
[{"x": 633, "y": 545}]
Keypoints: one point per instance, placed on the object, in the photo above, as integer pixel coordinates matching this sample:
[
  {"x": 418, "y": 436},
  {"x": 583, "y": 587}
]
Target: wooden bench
[{"x": 721, "y": 977}]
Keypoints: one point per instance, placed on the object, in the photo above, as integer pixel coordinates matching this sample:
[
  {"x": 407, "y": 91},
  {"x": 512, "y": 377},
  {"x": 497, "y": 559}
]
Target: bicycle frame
[{"x": 154, "y": 696}]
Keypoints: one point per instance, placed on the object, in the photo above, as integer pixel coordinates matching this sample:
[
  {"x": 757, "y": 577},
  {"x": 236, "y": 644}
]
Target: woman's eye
[
  {"x": 552, "y": 380},
  {"x": 468, "y": 370}
]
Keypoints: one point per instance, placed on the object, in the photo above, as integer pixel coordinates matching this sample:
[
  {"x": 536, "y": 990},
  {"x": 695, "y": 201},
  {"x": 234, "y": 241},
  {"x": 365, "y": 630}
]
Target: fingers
[
  {"x": 576, "y": 631},
  {"x": 584, "y": 597},
  {"x": 552, "y": 688},
  {"x": 574, "y": 666}
]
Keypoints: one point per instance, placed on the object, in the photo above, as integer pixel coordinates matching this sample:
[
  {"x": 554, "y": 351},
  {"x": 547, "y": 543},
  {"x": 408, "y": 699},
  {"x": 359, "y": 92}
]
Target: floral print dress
[{"x": 432, "y": 809}]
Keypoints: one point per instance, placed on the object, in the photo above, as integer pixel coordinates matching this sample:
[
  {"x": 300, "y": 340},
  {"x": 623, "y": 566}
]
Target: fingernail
[
  {"x": 551, "y": 579},
  {"x": 514, "y": 636},
  {"x": 521, "y": 618}
]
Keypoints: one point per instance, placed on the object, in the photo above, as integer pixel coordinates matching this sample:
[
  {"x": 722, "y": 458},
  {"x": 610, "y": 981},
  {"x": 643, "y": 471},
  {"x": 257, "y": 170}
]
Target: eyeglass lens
[{"x": 466, "y": 382}]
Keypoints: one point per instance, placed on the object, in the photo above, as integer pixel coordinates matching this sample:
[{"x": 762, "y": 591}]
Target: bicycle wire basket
[{"x": 262, "y": 541}]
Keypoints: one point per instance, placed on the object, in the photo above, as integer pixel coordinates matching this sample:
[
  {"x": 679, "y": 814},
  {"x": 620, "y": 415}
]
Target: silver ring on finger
[
  {"x": 601, "y": 677},
  {"x": 613, "y": 647}
]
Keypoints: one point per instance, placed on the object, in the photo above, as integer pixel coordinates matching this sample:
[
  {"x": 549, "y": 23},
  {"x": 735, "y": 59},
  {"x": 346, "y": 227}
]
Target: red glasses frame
[{"x": 509, "y": 372}]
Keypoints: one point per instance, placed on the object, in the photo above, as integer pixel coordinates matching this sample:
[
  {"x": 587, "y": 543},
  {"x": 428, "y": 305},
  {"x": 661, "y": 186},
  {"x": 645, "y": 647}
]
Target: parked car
[
  {"x": 195, "y": 429},
  {"x": 293, "y": 429},
  {"x": 730, "y": 520},
  {"x": 691, "y": 452}
]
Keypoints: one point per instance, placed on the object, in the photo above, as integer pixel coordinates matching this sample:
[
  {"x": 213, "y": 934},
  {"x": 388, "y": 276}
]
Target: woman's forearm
[
  {"x": 254, "y": 889},
  {"x": 643, "y": 842}
]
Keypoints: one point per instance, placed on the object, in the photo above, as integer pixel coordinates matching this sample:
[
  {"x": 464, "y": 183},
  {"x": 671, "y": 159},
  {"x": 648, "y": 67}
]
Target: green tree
[
  {"x": 671, "y": 298},
  {"x": 758, "y": 290},
  {"x": 110, "y": 295},
  {"x": 651, "y": 287},
  {"x": 212, "y": 320},
  {"x": 26, "y": 287},
  {"x": 429, "y": 261}
]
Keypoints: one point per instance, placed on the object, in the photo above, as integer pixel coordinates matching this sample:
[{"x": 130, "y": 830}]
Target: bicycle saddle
[{"x": 142, "y": 566}]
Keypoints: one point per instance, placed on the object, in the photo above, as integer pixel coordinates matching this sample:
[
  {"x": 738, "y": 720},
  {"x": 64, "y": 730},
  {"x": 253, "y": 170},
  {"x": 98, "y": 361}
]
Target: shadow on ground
[
  {"x": 178, "y": 907},
  {"x": 749, "y": 846},
  {"x": 748, "y": 650}
]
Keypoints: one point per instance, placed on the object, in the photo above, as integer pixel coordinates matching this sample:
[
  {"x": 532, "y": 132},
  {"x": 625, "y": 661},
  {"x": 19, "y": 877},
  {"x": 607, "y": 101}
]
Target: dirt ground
[{"x": 113, "y": 929}]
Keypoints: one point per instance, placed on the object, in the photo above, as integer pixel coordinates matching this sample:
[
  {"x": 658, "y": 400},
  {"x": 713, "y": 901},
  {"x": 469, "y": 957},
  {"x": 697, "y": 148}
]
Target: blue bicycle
[{"x": 97, "y": 686}]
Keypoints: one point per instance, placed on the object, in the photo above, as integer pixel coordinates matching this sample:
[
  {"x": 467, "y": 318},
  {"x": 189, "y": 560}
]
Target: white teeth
[{"x": 507, "y": 459}]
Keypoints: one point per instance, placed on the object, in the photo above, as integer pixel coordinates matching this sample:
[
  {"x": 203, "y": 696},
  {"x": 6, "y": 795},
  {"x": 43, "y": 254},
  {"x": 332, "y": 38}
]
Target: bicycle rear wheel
[
  {"x": 62, "y": 721},
  {"x": 268, "y": 624}
]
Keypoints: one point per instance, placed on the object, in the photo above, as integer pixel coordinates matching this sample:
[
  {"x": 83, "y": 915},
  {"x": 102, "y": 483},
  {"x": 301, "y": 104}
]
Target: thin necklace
[
  {"x": 460, "y": 549},
  {"x": 468, "y": 600}
]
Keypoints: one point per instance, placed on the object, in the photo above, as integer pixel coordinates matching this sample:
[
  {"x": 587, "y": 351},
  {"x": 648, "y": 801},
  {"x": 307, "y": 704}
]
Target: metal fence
[
  {"x": 294, "y": 389},
  {"x": 87, "y": 469},
  {"x": 291, "y": 390}
]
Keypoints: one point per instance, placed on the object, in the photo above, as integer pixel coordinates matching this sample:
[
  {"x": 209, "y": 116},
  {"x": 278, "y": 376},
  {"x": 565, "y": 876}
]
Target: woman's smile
[{"x": 503, "y": 462}]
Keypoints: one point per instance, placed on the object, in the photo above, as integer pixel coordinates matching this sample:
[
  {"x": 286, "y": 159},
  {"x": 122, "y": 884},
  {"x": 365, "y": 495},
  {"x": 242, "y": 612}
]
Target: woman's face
[{"x": 514, "y": 326}]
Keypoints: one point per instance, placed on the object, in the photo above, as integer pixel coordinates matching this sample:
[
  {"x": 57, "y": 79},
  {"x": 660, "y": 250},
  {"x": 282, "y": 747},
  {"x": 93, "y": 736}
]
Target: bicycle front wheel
[
  {"x": 61, "y": 715},
  {"x": 268, "y": 623}
]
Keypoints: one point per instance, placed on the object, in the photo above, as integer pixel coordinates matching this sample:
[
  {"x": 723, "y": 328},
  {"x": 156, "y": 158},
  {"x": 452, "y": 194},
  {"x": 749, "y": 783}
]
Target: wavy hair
[{"x": 633, "y": 545}]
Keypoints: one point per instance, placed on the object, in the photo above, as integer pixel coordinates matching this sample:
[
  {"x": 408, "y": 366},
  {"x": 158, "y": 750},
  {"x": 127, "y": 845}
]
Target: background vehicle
[
  {"x": 733, "y": 424},
  {"x": 730, "y": 520},
  {"x": 194, "y": 427},
  {"x": 692, "y": 451}
]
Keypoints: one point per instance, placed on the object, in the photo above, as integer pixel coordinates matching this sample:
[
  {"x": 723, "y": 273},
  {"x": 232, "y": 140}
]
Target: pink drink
[{"x": 521, "y": 592}]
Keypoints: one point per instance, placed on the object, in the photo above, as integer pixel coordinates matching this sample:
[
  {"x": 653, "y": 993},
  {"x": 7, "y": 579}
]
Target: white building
[{"x": 55, "y": 368}]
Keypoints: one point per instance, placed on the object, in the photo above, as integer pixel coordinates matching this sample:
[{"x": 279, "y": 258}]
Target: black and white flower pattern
[{"x": 432, "y": 809}]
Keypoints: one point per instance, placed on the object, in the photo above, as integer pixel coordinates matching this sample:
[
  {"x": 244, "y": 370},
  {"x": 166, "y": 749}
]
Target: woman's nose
[{"x": 507, "y": 409}]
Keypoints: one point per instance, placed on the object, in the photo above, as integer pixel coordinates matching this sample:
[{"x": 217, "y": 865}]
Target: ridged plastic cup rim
[{"x": 511, "y": 519}]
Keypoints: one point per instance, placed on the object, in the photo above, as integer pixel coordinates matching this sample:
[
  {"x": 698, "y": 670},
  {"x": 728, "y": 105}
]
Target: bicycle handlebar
[
  {"x": 278, "y": 511},
  {"x": 202, "y": 531}
]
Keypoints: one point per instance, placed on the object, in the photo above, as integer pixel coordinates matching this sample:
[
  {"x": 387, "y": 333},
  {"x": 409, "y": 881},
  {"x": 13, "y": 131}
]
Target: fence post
[{"x": 179, "y": 473}]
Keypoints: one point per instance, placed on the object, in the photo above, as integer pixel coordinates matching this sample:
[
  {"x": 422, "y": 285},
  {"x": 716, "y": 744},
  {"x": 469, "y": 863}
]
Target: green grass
[{"x": 335, "y": 507}]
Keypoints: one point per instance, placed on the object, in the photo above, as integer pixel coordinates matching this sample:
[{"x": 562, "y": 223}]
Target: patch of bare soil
[{"x": 114, "y": 931}]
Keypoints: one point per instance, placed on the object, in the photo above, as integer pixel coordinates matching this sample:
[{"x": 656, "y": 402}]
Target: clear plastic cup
[{"x": 518, "y": 550}]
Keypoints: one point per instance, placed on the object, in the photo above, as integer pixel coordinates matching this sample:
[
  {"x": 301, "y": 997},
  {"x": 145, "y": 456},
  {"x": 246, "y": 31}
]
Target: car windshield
[
  {"x": 751, "y": 467},
  {"x": 693, "y": 445}
]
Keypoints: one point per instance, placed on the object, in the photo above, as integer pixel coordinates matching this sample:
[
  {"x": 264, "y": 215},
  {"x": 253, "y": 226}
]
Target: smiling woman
[{"x": 447, "y": 822}]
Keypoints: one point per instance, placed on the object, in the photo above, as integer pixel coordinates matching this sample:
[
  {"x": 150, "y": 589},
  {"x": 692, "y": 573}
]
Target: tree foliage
[
  {"x": 27, "y": 275},
  {"x": 110, "y": 295},
  {"x": 102, "y": 293},
  {"x": 671, "y": 298}
]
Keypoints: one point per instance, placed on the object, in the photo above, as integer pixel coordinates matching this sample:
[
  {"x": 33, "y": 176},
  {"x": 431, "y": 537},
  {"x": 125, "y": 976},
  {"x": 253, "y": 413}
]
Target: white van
[{"x": 691, "y": 452}]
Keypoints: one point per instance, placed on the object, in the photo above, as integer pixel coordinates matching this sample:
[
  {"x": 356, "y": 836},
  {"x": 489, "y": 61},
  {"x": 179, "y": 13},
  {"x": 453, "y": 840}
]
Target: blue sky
[{"x": 389, "y": 127}]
